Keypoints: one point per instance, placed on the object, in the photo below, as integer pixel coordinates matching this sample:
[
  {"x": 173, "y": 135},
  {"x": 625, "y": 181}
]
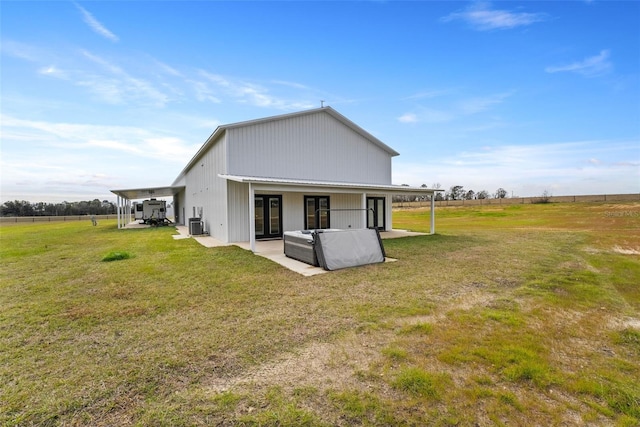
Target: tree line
[
  {"x": 25, "y": 208},
  {"x": 456, "y": 192}
]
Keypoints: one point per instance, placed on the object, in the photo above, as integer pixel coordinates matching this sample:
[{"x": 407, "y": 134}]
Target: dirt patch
[
  {"x": 321, "y": 365},
  {"x": 625, "y": 322},
  {"x": 625, "y": 251},
  {"x": 615, "y": 249},
  {"x": 336, "y": 365}
]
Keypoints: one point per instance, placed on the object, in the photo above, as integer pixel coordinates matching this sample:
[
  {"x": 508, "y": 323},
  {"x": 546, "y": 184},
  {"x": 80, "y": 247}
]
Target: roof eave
[{"x": 344, "y": 185}]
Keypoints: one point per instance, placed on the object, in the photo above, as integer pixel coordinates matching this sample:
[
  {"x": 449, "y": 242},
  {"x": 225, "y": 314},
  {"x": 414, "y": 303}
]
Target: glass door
[
  {"x": 375, "y": 212},
  {"x": 268, "y": 216},
  {"x": 316, "y": 212}
]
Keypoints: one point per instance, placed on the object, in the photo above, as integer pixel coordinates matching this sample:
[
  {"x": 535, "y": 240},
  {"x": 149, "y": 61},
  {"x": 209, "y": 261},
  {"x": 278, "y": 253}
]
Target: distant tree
[
  {"x": 17, "y": 208},
  {"x": 456, "y": 192},
  {"x": 545, "y": 197},
  {"x": 470, "y": 195},
  {"x": 501, "y": 193},
  {"x": 24, "y": 208},
  {"x": 401, "y": 198},
  {"x": 439, "y": 196},
  {"x": 482, "y": 195}
]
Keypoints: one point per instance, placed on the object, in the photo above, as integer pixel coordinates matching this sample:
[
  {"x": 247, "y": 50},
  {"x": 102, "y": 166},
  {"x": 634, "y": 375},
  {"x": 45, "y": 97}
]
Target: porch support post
[
  {"x": 433, "y": 213},
  {"x": 364, "y": 212},
  {"x": 118, "y": 210},
  {"x": 252, "y": 218}
]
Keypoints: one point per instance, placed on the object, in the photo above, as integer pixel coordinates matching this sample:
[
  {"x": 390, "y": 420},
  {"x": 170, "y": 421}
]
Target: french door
[
  {"x": 316, "y": 212},
  {"x": 375, "y": 212},
  {"x": 268, "y": 211}
]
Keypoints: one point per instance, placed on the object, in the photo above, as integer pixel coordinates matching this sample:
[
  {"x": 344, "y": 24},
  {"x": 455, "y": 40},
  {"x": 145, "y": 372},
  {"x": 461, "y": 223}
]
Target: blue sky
[{"x": 528, "y": 96}]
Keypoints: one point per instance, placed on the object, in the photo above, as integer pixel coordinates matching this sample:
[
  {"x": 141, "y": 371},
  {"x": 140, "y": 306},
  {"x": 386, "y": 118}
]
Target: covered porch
[{"x": 360, "y": 195}]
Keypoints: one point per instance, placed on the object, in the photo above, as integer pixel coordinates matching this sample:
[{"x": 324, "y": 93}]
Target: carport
[{"x": 125, "y": 197}]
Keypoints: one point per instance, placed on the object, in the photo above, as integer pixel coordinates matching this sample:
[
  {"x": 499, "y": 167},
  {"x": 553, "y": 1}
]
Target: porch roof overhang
[
  {"x": 299, "y": 185},
  {"x": 259, "y": 184},
  {"x": 148, "y": 192}
]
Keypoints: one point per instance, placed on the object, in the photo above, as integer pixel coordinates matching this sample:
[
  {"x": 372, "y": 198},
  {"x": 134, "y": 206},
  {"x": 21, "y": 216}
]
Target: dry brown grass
[{"x": 522, "y": 315}]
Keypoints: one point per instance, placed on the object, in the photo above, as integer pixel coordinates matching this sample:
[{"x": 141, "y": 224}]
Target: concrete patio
[{"x": 274, "y": 249}]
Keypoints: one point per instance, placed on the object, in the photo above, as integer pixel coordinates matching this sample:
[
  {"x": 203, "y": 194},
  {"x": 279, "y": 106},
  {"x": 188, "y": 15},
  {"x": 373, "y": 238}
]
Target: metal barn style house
[{"x": 254, "y": 180}]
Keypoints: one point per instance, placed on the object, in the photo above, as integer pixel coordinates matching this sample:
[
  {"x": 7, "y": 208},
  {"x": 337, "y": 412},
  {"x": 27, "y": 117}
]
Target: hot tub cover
[{"x": 348, "y": 248}]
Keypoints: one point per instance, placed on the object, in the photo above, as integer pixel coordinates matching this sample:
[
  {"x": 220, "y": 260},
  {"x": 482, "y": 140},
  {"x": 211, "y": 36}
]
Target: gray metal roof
[{"x": 148, "y": 192}]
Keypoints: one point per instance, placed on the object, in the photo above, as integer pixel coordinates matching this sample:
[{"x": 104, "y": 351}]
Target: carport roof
[{"x": 148, "y": 192}]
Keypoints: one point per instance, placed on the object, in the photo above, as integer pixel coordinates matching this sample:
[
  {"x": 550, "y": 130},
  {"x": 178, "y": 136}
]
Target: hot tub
[
  {"x": 299, "y": 245},
  {"x": 334, "y": 249}
]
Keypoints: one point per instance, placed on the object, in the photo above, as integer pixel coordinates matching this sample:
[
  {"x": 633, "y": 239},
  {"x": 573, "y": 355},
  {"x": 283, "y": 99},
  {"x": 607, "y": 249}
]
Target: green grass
[
  {"x": 510, "y": 315},
  {"x": 116, "y": 256},
  {"x": 418, "y": 382}
]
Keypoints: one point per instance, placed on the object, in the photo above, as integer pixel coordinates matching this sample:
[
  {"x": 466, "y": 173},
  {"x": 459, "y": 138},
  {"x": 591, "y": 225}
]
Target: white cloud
[
  {"x": 408, "y": 118},
  {"x": 120, "y": 87},
  {"x": 427, "y": 94},
  {"x": 53, "y": 71},
  {"x": 203, "y": 92},
  {"x": 480, "y": 104},
  {"x": 566, "y": 168},
  {"x": 52, "y": 161},
  {"x": 291, "y": 84},
  {"x": 95, "y": 25},
  {"x": 167, "y": 68},
  {"x": 253, "y": 94},
  {"x": 73, "y": 136},
  {"x": 23, "y": 51},
  {"x": 592, "y": 66},
  {"x": 462, "y": 108},
  {"x": 481, "y": 17}
]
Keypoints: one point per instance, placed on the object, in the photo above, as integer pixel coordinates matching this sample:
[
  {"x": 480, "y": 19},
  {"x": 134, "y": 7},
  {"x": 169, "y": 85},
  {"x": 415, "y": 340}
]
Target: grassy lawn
[{"x": 514, "y": 315}]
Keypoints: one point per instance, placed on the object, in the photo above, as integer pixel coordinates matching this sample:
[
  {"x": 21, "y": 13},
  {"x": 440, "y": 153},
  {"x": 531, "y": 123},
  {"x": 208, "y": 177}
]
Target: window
[{"x": 316, "y": 212}]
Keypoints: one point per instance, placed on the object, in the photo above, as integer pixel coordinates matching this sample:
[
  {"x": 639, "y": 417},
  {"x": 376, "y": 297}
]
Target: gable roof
[{"x": 220, "y": 130}]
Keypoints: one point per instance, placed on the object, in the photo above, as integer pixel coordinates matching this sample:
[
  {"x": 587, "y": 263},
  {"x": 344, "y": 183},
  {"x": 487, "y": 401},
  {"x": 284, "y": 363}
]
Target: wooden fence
[
  {"x": 521, "y": 200},
  {"x": 396, "y": 205},
  {"x": 22, "y": 219}
]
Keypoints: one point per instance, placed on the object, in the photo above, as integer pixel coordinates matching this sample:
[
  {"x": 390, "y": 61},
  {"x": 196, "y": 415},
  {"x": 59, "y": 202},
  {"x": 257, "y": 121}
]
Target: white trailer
[{"x": 152, "y": 212}]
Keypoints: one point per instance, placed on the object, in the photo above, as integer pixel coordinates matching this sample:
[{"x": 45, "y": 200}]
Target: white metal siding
[
  {"x": 179, "y": 208},
  {"x": 346, "y": 219},
  {"x": 293, "y": 211},
  {"x": 313, "y": 147},
  {"x": 206, "y": 191},
  {"x": 238, "y": 200}
]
